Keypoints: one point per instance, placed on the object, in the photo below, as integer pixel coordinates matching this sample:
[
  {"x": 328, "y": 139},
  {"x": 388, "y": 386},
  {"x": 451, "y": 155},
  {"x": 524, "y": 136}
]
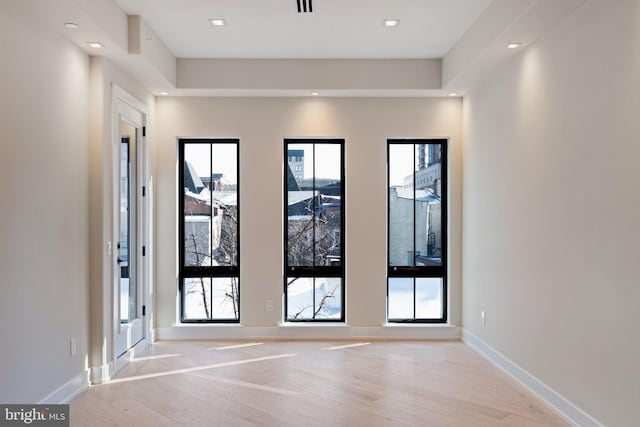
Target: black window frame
[
  {"x": 188, "y": 272},
  {"x": 417, "y": 272},
  {"x": 315, "y": 271}
]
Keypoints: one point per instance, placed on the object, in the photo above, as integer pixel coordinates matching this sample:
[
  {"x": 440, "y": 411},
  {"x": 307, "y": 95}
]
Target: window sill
[
  {"x": 417, "y": 325},
  {"x": 209, "y": 324},
  {"x": 313, "y": 325}
]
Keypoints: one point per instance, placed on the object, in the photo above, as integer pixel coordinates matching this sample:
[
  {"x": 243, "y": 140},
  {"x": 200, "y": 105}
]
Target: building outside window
[
  {"x": 314, "y": 229},
  {"x": 209, "y": 237},
  {"x": 417, "y": 231}
]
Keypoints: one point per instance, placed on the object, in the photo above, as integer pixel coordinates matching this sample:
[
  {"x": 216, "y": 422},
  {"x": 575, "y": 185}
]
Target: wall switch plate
[
  {"x": 483, "y": 317},
  {"x": 268, "y": 305},
  {"x": 73, "y": 347}
]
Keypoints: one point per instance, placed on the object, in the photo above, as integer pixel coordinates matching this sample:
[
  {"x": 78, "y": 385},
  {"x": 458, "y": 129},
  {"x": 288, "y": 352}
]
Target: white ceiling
[
  {"x": 269, "y": 49},
  {"x": 335, "y": 29}
]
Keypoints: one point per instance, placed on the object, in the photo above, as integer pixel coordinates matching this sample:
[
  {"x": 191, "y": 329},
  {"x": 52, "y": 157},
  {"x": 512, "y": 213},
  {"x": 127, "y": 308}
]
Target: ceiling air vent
[{"x": 305, "y": 6}]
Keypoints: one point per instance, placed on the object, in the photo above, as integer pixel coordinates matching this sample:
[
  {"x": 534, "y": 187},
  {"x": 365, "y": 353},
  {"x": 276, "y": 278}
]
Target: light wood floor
[{"x": 293, "y": 383}]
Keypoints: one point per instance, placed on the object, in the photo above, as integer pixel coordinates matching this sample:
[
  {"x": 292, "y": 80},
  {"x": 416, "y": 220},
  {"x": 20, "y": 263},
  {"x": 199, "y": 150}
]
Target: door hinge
[
  {"x": 144, "y": 251},
  {"x": 144, "y": 131},
  {"x": 144, "y": 310},
  {"x": 144, "y": 191}
]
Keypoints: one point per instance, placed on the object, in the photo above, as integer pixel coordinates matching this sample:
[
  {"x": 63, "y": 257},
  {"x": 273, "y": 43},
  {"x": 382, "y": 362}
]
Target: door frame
[{"x": 125, "y": 105}]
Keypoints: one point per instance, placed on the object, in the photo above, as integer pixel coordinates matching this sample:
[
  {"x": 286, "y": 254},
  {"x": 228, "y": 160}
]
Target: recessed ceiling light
[
  {"x": 453, "y": 94},
  {"x": 95, "y": 45},
  {"x": 391, "y": 22},
  {"x": 315, "y": 93},
  {"x": 71, "y": 25},
  {"x": 218, "y": 22},
  {"x": 163, "y": 93},
  {"x": 514, "y": 45}
]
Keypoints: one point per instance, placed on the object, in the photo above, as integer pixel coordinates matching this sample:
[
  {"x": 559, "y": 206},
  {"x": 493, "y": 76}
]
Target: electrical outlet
[
  {"x": 268, "y": 305},
  {"x": 73, "y": 347},
  {"x": 483, "y": 317}
]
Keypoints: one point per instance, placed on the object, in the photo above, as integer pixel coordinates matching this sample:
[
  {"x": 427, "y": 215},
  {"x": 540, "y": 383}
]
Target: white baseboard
[
  {"x": 69, "y": 390},
  {"x": 567, "y": 410},
  {"x": 101, "y": 374},
  {"x": 129, "y": 355},
  {"x": 309, "y": 332}
]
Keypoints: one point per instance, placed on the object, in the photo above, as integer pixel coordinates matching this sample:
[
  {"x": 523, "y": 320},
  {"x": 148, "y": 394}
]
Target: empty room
[{"x": 320, "y": 212}]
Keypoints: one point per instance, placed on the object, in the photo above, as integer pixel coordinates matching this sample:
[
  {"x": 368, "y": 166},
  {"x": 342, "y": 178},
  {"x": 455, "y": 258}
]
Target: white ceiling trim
[
  {"x": 310, "y": 74},
  {"x": 139, "y": 50}
]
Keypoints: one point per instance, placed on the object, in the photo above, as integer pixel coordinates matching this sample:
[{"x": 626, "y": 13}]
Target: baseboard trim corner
[
  {"x": 101, "y": 374},
  {"x": 66, "y": 392},
  {"x": 567, "y": 410}
]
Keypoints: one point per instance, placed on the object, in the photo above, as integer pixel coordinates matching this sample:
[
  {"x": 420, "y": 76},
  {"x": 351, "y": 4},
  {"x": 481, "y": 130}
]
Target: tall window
[
  {"x": 417, "y": 231},
  {"x": 208, "y": 230},
  {"x": 314, "y": 230}
]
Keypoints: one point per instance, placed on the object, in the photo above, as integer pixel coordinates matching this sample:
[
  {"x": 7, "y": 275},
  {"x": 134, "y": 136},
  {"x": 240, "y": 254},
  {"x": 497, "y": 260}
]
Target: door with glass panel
[{"x": 128, "y": 225}]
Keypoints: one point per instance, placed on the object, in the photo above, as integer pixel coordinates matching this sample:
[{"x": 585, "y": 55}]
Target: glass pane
[
  {"x": 127, "y": 236},
  {"x": 299, "y": 298},
  {"x": 299, "y": 156},
  {"x": 328, "y": 293},
  {"x": 123, "y": 241},
  {"x": 428, "y": 203},
  {"x": 197, "y": 205},
  {"x": 301, "y": 205},
  {"x": 327, "y": 166},
  {"x": 400, "y": 298},
  {"x": 225, "y": 298},
  {"x": 401, "y": 206},
  {"x": 197, "y": 298},
  {"x": 223, "y": 184},
  {"x": 429, "y": 298}
]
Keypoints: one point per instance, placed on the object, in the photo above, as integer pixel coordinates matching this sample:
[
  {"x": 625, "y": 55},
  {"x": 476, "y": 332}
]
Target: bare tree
[
  {"x": 232, "y": 296},
  {"x": 227, "y": 252},
  {"x": 224, "y": 253},
  {"x": 312, "y": 240},
  {"x": 203, "y": 291},
  {"x": 320, "y": 307}
]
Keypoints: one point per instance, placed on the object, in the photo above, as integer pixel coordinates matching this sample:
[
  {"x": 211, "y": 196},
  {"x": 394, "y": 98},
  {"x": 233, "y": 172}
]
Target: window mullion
[
  {"x": 414, "y": 228},
  {"x": 315, "y": 223},
  {"x": 210, "y": 254}
]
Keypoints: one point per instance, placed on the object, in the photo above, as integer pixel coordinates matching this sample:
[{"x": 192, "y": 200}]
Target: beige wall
[
  {"x": 104, "y": 74},
  {"x": 261, "y": 124},
  {"x": 44, "y": 219},
  {"x": 55, "y": 132},
  {"x": 552, "y": 210},
  {"x": 553, "y": 133}
]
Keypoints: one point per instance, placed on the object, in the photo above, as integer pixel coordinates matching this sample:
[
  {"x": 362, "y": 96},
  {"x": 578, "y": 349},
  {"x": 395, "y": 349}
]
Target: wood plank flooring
[{"x": 308, "y": 383}]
